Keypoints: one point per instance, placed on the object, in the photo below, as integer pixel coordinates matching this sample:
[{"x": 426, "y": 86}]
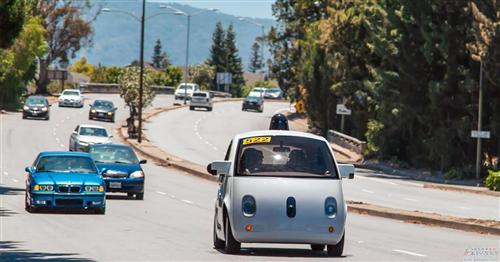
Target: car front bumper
[
  {"x": 200, "y": 104},
  {"x": 58, "y": 200},
  {"x": 99, "y": 115},
  {"x": 250, "y": 105},
  {"x": 124, "y": 185},
  {"x": 33, "y": 113},
  {"x": 70, "y": 103}
]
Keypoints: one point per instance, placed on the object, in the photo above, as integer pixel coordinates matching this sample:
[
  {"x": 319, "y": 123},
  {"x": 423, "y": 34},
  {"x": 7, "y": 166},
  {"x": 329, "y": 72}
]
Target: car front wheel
[
  {"x": 139, "y": 196},
  {"x": 218, "y": 244},
  {"x": 232, "y": 246},
  {"x": 28, "y": 207},
  {"x": 336, "y": 250},
  {"x": 100, "y": 211}
]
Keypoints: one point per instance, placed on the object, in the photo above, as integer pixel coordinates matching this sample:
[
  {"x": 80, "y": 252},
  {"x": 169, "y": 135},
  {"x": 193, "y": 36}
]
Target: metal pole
[
  {"x": 479, "y": 121},
  {"x": 262, "y": 49},
  {"x": 187, "y": 57},
  {"x": 141, "y": 76}
]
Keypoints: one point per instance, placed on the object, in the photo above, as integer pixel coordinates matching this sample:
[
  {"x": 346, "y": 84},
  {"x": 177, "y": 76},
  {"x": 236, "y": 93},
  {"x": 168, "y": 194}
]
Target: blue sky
[{"x": 247, "y": 8}]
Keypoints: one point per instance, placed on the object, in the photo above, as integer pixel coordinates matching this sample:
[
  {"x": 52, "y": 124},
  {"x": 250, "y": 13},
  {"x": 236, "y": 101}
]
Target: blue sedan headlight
[
  {"x": 331, "y": 207},
  {"x": 43, "y": 187},
  {"x": 94, "y": 188},
  {"x": 248, "y": 206}
]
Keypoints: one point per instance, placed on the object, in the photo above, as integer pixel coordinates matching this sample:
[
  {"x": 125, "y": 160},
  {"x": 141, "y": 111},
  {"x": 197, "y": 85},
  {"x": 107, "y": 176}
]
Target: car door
[
  {"x": 73, "y": 138},
  {"x": 221, "y": 193}
]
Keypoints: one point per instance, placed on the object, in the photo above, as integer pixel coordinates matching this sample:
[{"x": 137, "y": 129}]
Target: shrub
[{"x": 493, "y": 180}]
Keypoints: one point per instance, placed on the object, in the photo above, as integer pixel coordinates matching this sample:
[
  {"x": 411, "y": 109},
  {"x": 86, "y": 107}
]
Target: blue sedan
[
  {"x": 64, "y": 180},
  {"x": 121, "y": 168}
]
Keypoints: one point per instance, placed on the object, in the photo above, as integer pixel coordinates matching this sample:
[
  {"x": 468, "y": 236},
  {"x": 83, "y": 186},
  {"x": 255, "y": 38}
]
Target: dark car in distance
[
  {"x": 253, "y": 102},
  {"x": 36, "y": 107},
  {"x": 102, "y": 110},
  {"x": 121, "y": 169}
]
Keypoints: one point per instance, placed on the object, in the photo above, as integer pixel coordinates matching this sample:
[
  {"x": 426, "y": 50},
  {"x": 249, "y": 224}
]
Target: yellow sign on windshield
[{"x": 256, "y": 140}]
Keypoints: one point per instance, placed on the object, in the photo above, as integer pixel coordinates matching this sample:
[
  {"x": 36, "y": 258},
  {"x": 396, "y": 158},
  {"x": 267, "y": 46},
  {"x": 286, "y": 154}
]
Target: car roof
[
  {"x": 64, "y": 153},
  {"x": 92, "y": 126},
  {"x": 103, "y": 100},
  {"x": 278, "y": 133},
  {"x": 71, "y": 90},
  {"x": 39, "y": 97}
]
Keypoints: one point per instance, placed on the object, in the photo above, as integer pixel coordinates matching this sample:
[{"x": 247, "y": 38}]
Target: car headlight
[
  {"x": 93, "y": 111},
  {"x": 26, "y": 108},
  {"x": 43, "y": 188},
  {"x": 331, "y": 207},
  {"x": 110, "y": 113},
  {"x": 137, "y": 174},
  {"x": 94, "y": 188},
  {"x": 248, "y": 206},
  {"x": 45, "y": 109},
  {"x": 83, "y": 143}
]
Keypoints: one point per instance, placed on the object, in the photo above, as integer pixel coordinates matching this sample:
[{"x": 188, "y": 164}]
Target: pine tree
[
  {"x": 157, "y": 54},
  {"x": 217, "y": 56},
  {"x": 164, "y": 61},
  {"x": 233, "y": 61},
  {"x": 256, "y": 63}
]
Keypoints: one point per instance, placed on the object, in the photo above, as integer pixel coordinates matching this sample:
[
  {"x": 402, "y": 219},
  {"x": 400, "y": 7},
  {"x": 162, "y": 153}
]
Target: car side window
[{"x": 228, "y": 152}]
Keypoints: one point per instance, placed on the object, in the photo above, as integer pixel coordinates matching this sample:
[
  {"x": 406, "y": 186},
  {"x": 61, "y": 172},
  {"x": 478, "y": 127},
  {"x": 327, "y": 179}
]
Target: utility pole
[
  {"x": 141, "y": 76},
  {"x": 186, "y": 67},
  {"x": 479, "y": 121}
]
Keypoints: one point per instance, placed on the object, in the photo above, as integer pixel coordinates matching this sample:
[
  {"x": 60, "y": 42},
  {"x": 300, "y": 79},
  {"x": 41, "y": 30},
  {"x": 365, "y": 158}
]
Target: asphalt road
[
  {"x": 174, "y": 222},
  {"x": 202, "y": 137}
]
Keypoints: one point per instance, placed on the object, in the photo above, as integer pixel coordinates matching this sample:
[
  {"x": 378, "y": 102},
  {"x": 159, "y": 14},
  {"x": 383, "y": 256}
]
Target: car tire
[
  {"x": 317, "y": 247},
  {"x": 139, "y": 196},
  {"x": 24, "y": 116},
  {"x": 100, "y": 210},
  {"x": 218, "y": 244},
  {"x": 231, "y": 246},
  {"x": 191, "y": 108},
  {"x": 336, "y": 250},
  {"x": 28, "y": 207},
  {"x": 47, "y": 118},
  {"x": 209, "y": 109},
  {"x": 113, "y": 119}
]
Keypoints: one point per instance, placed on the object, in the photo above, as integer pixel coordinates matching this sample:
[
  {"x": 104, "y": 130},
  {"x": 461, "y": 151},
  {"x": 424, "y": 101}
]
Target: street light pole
[
  {"x": 141, "y": 75},
  {"x": 479, "y": 121},
  {"x": 186, "y": 68}
]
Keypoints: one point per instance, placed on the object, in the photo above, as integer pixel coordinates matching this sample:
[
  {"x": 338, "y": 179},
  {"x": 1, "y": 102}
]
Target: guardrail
[
  {"x": 346, "y": 141},
  {"x": 103, "y": 88},
  {"x": 221, "y": 94}
]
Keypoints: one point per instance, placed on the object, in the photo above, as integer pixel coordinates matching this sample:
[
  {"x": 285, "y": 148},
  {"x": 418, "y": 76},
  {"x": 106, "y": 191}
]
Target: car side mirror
[
  {"x": 219, "y": 168},
  {"x": 90, "y": 105},
  {"x": 29, "y": 169},
  {"x": 346, "y": 171},
  {"x": 103, "y": 171},
  {"x": 143, "y": 161}
]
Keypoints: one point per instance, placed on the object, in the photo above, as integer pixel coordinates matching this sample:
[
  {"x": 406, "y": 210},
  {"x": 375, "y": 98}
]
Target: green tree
[
  {"x": 67, "y": 31},
  {"x": 233, "y": 62},
  {"x": 217, "y": 56},
  {"x": 160, "y": 59},
  {"x": 202, "y": 74},
  {"x": 18, "y": 63},
  {"x": 129, "y": 88},
  {"x": 12, "y": 17},
  {"x": 81, "y": 66},
  {"x": 256, "y": 62}
]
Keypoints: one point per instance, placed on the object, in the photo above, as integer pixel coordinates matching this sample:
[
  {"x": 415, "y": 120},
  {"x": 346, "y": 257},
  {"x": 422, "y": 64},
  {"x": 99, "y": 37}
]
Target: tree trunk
[{"x": 43, "y": 81}]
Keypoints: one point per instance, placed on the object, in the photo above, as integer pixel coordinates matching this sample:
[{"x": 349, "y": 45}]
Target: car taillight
[
  {"x": 248, "y": 206},
  {"x": 331, "y": 207}
]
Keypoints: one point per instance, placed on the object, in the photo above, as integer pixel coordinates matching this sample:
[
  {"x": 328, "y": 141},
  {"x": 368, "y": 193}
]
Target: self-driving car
[
  {"x": 36, "y": 107},
  {"x": 102, "y": 110},
  {"x": 64, "y": 180},
  {"x": 280, "y": 187},
  {"x": 121, "y": 168}
]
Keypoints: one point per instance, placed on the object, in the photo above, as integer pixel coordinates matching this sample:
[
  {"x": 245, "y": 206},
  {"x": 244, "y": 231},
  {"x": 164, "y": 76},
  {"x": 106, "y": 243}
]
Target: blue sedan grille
[{"x": 69, "y": 189}]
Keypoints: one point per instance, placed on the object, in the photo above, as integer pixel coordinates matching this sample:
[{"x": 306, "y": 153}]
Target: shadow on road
[
  {"x": 284, "y": 252},
  {"x": 5, "y": 213},
  {"x": 119, "y": 197},
  {"x": 10, "y": 190},
  {"x": 11, "y": 251}
]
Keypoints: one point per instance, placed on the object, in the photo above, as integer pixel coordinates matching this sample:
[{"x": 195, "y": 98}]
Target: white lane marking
[
  {"x": 215, "y": 148},
  {"x": 55, "y": 129},
  {"x": 57, "y": 124},
  {"x": 367, "y": 191},
  {"x": 410, "y": 199},
  {"x": 281, "y": 110},
  {"x": 62, "y": 120},
  {"x": 161, "y": 193},
  {"x": 172, "y": 196},
  {"x": 465, "y": 208},
  {"x": 14, "y": 180},
  {"x": 187, "y": 201},
  {"x": 408, "y": 253},
  {"x": 55, "y": 134},
  {"x": 378, "y": 180},
  {"x": 62, "y": 145},
  {"x": 361, "y": 242},
  {"x": 68, "y": 117},
  {"x": 5, "y": 173},
  {"x": 206, "y": 142},
  {"x": 57, "y": 139}
]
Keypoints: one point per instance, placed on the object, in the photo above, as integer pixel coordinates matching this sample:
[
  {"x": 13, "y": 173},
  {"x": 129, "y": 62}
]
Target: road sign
[
  {"x": 224, "y": 78},
  {"x": 480, "y": 134},
  {"x": 342, "y": 110},
  {"x": 57, "y": 74},
  {"x": 299, "y": 106}
]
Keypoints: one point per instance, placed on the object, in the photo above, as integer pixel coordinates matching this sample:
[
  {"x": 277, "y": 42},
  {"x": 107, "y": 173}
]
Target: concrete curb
[
  {"x": 465, "y": 224},
  {"x": 162, "y": 158}
]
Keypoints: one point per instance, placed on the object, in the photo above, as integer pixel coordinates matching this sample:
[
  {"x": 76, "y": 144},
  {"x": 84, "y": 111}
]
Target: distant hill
[{"x": 117, "y": 35}]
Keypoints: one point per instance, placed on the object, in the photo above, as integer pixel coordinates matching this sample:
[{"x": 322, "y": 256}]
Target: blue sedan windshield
[{"x": 66, "y": 164}]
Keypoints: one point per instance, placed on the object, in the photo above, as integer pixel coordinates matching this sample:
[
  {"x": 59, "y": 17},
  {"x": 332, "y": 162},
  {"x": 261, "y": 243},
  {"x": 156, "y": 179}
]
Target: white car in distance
[
  {"x": 86, "y": 135},
  {"x": 201, "y": 99},
  {"x": 280, "y": 187},
  {"x": 185, "y": 90},
  {"x": 71, "y": 97}
]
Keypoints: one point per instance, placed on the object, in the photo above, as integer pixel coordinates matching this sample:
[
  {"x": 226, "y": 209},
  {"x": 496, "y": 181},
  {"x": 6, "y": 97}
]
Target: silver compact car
[
  {"x": 201, "y": 99},
  {"x": 280, "y": 187}
]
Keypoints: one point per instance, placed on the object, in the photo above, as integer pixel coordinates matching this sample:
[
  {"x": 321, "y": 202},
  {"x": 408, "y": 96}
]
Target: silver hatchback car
[{"x": 280, "y": 187}]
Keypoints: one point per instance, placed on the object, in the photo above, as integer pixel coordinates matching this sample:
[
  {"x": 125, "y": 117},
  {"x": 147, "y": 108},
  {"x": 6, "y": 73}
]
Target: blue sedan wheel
[{"x": 28, "y": 207}]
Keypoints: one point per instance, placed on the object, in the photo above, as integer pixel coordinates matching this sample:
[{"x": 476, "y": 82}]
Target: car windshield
[
  {"x": 255, "y": 94},
  {"x": 66, "y": 164},
  {"x": 200, "y": 94},
  {"x": 288, "y": 156},
  {"x": 113, "y": 154},
  {"x": 273, "y": 90},
  {"x": 93, "y": 131},
  {"x": 104, "y": 104},
  {"x": 36, "y": 101},
  {"x": 70, "y": 93},
  {"x": 189, "y": 87}
]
